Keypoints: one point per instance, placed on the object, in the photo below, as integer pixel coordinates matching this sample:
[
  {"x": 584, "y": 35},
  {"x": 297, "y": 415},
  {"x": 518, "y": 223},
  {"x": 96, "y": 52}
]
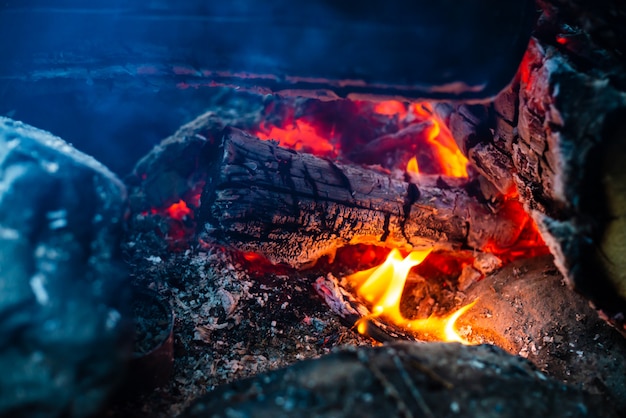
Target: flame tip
[{"x": 382, "y": 287}]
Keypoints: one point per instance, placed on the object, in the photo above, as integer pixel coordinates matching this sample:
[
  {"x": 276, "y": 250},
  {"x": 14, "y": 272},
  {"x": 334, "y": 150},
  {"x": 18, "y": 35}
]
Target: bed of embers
[{"x": 239, "y": 315}]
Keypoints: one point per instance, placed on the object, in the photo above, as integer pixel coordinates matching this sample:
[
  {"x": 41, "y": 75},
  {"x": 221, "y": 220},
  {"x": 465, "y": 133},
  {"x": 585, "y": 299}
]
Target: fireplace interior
[{"x": 331, "y": 209}]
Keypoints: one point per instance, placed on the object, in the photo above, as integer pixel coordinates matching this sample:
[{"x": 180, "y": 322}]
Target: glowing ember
[
  {"x": 391, "y": 108},
  {"x": 412, "y": 166},
  {"x": 178, "y": 225},
  {"x": 355, "y": 133},
  {"x": 529, "y": 242},
  {"x": 252, "y": 257},
  {"x": 178, "y": 210},
  {"x": 300, "y": 136},
  {"x": 382, "y": 288},
  {"x": 445, "y": 150}
]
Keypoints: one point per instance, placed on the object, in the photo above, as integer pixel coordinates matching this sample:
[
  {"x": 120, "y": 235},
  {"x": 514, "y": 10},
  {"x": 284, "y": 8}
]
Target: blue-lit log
[{"x": 412, "y": 49}]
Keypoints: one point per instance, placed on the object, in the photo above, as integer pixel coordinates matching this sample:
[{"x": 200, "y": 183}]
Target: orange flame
[
  {"x": 382, "y": 288},
  {"x": 412, "y": 166},
  {"x": 300, "y": 136},
  {"x": 450, "y": 158},
  {"x": 391, "y": 108}
]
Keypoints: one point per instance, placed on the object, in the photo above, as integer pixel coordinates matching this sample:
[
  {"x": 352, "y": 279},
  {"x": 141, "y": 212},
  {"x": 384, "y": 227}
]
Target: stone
[
  {"x": 64, "y": 333},
  {"x": 402, "y": 380}
]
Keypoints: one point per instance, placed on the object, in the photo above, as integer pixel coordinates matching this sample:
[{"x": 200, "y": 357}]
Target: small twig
[{"x": 375, "y": 332}]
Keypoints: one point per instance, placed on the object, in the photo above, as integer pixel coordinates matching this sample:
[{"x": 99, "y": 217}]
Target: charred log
[
  {"x": 404, "y": 380},
  {"x": 558, "y": 136},
  {"x": 273, "y": 46},
  {"x": 295, "y": 208}
]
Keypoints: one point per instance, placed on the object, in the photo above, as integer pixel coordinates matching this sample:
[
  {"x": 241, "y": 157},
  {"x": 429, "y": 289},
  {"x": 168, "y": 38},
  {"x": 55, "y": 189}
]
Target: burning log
[
  {"x": 558, "y": 137},
  {"x": 295, "y": 208}
]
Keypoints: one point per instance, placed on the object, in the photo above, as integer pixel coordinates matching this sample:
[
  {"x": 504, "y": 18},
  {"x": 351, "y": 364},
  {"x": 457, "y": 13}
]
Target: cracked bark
[
  {"x": 558, "y": 137},
  {"x": 295, "y": 208}
]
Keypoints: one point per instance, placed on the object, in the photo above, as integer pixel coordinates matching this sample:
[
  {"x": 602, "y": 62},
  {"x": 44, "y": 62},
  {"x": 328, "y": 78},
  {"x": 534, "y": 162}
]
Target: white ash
[
  {"x": 231, "y": 323},
  {"x": 487, "y": 263}
]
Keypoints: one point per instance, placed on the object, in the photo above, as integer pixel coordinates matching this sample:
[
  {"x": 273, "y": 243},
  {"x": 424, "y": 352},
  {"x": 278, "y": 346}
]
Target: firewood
[
  {"x": 407, "y": 48},
  {"x": 558, "y": 136},
  {"x": 64, "y": 301},
  {"x": 295, "y": 208}
]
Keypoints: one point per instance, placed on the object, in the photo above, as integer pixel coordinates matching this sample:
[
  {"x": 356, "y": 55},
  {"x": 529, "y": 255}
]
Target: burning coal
[{"x": 391, "y": 134}]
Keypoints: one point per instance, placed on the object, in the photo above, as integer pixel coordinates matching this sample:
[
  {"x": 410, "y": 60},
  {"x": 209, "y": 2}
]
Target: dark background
[{"x": 115, "y": 77}]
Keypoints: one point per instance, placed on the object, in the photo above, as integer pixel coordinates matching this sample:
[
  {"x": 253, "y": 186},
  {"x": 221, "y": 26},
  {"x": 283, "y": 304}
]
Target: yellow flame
[
  {"x": 382, "y": 287},
  {"x": 450, "y": 332},
  {"x": 412, "y": 166}
]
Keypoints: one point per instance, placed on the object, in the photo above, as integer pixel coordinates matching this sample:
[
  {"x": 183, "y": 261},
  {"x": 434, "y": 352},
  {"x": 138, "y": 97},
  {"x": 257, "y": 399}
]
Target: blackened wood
[
  {"x": 559, "y": 135},
  {"x": 295, "y": 208},
  {"x": 403, "y": 380}
]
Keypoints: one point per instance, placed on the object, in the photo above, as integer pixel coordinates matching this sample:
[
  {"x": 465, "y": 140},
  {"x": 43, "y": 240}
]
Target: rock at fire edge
[
  {"x": 63, "y": 328},
  {"x": 402, "y": 380}
]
